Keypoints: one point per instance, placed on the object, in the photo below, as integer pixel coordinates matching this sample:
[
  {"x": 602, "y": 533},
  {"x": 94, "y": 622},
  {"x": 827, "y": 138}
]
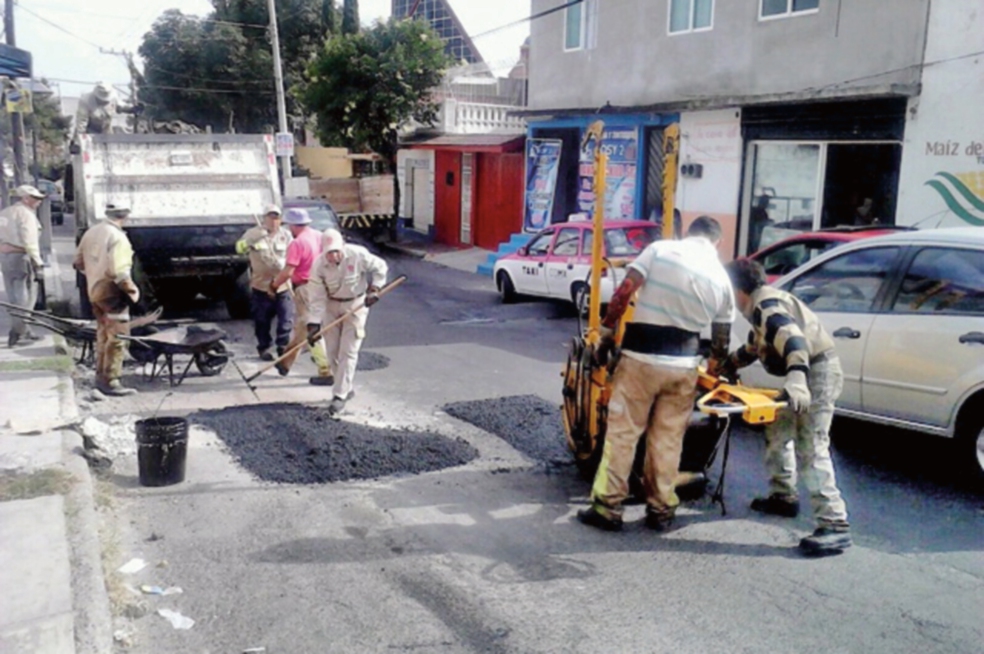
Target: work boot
[
  {"x": 266, "y": 355},
  {"x": 826, "y": 540},
  {"x": 12, "y": 340},
  {"x": 659, "y": 521},
  {"x": 780, "y": 505},
  {"x": 336, "y": 406},
  {"x": 322, "y": 380},
  {"x": 594, "y": 519},
  {"x": 115, "y": 388}
]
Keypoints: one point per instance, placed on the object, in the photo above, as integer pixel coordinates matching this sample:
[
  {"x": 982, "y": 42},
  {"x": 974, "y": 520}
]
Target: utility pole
[
  {"x": 278, "y": 75},
  {"x": 17, "y": 118}
]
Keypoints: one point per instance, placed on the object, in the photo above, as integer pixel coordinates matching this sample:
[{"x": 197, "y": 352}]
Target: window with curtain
[{"x": 690, "y": 15}]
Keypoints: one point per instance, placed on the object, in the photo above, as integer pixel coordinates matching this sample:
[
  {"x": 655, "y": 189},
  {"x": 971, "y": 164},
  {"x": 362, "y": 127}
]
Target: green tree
[
  {"x": 350, "y": 17},
  {"x": 50, "y": 127},
  {"x": 219, "y": 71},
  {"x": 364, "y": 86}
]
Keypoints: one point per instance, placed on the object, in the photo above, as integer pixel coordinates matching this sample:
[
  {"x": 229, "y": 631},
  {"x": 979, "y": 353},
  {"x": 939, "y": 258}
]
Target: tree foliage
[
  {"x": 364, "y": 86},
  {"x": 48, "y": 123},
  {"x": 219, "y": 71},
  {"x": 350, "y": 17}
]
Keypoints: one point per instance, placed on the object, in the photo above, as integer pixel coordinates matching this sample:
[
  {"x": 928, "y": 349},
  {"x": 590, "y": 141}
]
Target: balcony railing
[{"x": 476, "y": 118}]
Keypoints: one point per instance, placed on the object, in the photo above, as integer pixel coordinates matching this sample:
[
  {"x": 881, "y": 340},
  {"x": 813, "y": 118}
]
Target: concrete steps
[{"x": 515, "y": 242}]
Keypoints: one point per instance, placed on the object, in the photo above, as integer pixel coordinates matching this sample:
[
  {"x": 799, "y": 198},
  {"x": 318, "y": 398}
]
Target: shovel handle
[{"x": 324, "y": 330}]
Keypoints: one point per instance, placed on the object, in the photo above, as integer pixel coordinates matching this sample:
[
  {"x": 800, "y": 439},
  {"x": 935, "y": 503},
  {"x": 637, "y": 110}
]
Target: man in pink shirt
[{"x": 301, "y": 254}]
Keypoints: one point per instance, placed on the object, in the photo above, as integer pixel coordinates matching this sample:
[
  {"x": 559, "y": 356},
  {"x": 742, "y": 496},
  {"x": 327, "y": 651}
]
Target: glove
[
  {"x": 605, "y": 353},
  {"x": 726, "y": 369},
  {"x": 797, "y": 392},
  {"x": 131, "y": 290},
  {"x": 371, "y": 299},
  {"x": 312, "y": 333}
]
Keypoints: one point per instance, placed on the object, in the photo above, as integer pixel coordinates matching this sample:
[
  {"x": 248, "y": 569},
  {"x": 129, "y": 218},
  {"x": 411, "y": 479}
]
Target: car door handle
[
  {"x": 539, "y": 265},
  {"x": 972, "y": 337},
  {"x": 570, "y": 266},
  {"x": 847, "y": 332}
]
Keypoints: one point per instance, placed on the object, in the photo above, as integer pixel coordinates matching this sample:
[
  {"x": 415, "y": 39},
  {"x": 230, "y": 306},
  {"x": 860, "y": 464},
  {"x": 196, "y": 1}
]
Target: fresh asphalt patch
[
  {"x": 298, "y": 444},
  {"x": 528, "y": 423},
  {"x": 369, "y": 361}
]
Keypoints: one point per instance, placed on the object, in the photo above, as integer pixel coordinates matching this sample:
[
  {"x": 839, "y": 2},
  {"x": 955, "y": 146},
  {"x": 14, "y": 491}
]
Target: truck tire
[{"x": 237, "y": 302}]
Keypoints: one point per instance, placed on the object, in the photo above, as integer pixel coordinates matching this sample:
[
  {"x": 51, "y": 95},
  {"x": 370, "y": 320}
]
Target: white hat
[
  {"x": 103, "y": 92},
  {"x": 28, "y": 191},
  {"x": 117, "y": 210},
  {"x": 331, "y": 240},
  {"x": 271, "y": 209}
]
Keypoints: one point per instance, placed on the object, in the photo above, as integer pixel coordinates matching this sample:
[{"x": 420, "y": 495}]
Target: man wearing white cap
[
  {"x": 267, "y": 248},
  {"x": 20, "y": 257},
  {"x": 301, "y": 255},
  {"x": 344, "y": 277},
  {"x": 105, "y": 257}
]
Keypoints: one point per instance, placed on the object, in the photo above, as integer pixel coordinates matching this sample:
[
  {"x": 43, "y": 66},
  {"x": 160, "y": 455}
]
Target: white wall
[
  {"x": 944, "y": 135},
  {"x": 406, "y": 159},
  {"x": 713, "y": 140}
]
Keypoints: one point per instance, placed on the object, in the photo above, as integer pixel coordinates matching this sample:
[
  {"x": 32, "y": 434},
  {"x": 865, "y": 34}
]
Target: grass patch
[
  {"x": 58, "y": 363},
  {"x": 50, "y": 481}
]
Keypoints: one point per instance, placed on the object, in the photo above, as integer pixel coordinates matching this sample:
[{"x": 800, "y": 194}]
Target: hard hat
[
  {"x": 103, "y": 92},
  {"x": 331, "y": 240},
  {"x": 117, "y": 211},
  {"x": 297, "y": 217},
  {"x": 28, "y": 191},
  {"x": 271, "y": 209}
]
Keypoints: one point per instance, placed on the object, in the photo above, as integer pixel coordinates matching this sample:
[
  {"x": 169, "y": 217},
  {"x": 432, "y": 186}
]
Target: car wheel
[
  {"x": 507, "y": 291},
  {"x": 580, "y": 297},
  {"x": 971, "y": 441}
]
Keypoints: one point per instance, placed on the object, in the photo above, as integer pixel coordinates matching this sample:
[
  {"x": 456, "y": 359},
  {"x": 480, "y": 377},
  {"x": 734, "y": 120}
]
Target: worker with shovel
[
  {"x": 344, "y": 277},
  {"x": 105, "y": 257}
]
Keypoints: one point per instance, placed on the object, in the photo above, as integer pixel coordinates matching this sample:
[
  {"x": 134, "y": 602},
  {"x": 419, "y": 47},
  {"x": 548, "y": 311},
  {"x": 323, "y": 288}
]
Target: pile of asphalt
[
  {"x": 369, "y": 361},
  {"x": 297, "y": 444},
  {"x": 527, "y": 422}
]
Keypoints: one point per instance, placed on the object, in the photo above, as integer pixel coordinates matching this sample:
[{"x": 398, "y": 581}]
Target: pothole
[
  {"x": 369, "y": 361},
  {"x": 298, "y": 444},
  {"x": 528, "y": 423}
]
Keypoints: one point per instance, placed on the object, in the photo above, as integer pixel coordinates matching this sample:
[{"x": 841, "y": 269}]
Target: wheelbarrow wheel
[{"x": 212, "y": 362}]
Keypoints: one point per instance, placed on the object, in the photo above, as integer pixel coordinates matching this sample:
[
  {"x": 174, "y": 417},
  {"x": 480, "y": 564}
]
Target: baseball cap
[
  {"x": 271, "y": 208},
  {"x": 28, "y": 191},
  {"x": 331, "y": 240}
]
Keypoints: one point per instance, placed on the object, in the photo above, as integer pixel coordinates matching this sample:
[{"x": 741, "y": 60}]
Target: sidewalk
[
  {"x": 465, "y": 258},
  {"x": 50, "y": 562}
]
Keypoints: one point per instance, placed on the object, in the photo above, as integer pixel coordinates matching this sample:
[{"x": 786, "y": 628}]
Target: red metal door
[
  {"x": 498, "y": 198},
  {"x": 447, "y": 197}
]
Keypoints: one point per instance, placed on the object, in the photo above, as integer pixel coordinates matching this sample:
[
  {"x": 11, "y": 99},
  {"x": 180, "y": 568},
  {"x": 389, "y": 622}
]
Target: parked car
[
  {"x": 556, "y": 263},
  {"x": 56, "y": 198},
  {"x": 906, "y": 311},
  {"x": 322, "y": 215},
  {"x": 788, "y": 254}
]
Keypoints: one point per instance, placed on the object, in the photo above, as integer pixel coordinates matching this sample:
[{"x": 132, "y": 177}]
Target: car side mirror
[{"x": 524, "y": 251}]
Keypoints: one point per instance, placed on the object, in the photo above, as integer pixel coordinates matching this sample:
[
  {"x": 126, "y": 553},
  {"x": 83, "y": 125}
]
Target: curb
[
  {"x": 93, "y": 617},
  {"x": 402, "y": 249}
]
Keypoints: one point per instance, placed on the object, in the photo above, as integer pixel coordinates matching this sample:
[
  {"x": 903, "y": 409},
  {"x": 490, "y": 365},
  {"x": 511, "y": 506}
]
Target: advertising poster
[
  {"x": 621, "y": 144},
  {"x": 542, "y": 163}
]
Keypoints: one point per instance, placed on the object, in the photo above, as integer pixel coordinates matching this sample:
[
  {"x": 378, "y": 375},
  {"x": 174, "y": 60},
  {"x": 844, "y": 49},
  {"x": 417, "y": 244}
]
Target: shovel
[{"x": 324, "y": 330}]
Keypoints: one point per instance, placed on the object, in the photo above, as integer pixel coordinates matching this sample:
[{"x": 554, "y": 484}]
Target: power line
[
  {"x": 921, "y": 65},
  {"x": 58, "y": 27},
  {"x": 528, "y": 19}
]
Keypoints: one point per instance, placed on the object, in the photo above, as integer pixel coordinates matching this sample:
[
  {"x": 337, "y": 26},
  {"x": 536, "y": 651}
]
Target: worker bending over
[
  {"x": 683, "y": 291},
  {"x": 346, "y": 276},
  {"x": 105, "y": 257},
  {"x": 789, "y": 340}
]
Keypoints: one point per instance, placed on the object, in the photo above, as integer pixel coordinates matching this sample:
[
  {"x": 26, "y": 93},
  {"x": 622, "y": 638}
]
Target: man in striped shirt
[
  {"x": 683, "y": 291},
  {"x": 789, "y": 340}
]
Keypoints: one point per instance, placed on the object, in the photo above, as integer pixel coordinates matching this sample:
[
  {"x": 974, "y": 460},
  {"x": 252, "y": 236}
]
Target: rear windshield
[
  {"x": 623, "y": 241},
  {"x": 322, "y": 217}
]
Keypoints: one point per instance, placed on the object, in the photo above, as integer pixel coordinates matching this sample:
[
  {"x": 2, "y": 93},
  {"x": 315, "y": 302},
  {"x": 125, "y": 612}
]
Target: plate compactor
[{"x": 587, "y": 384}]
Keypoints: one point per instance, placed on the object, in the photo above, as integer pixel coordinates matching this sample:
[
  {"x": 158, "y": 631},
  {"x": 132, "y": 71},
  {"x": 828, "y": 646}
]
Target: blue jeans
[{"x": 265, "y": 309}]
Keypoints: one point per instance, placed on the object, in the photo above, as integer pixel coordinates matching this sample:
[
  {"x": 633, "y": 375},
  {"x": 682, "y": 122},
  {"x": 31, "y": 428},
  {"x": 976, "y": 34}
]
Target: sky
[{"x": 74, "y": 63}]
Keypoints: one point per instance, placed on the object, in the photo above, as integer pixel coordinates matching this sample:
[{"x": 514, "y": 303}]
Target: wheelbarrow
[{"x": 203, "y": 346}]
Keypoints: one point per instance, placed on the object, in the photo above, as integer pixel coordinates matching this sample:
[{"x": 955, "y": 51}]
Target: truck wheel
[{"x": 237, "y": 302}]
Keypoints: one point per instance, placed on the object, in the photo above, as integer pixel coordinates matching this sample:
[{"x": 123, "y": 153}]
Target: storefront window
[{"x": 783, "y": 193}]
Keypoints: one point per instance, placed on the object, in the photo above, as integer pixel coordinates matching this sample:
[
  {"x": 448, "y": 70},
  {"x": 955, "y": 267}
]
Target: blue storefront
[{"x": 634, "y": 145}]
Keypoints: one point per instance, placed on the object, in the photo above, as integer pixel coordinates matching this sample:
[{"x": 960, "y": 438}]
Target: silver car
[{"x": 907, "y": 313}]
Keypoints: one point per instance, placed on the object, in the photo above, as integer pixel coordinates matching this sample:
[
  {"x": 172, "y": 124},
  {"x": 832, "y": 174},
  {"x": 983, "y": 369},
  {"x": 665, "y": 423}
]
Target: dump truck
[
  {"x": 364, "y": 204},
  {"x": 192, "y": 196}
]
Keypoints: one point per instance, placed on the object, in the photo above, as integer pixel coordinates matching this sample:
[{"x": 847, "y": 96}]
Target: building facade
[
  {"x": 794, "y": 114},
  {"x": 445, "y": 22}
]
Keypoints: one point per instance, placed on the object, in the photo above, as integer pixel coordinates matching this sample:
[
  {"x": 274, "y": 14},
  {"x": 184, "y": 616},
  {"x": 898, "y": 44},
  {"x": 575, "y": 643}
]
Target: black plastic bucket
[{"x": 162, "y": 448}]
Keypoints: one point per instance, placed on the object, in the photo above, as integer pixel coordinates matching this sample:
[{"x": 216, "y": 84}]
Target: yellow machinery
[{"x": 587, "y": 386}]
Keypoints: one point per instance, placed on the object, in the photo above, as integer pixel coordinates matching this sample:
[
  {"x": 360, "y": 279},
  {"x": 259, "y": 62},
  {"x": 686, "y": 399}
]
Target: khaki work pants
[
  {"x": 656, "y": 401},
  {"x": 112, "y": 320},
  {"x": 343, "y": 343},
  {"x": 801, "y": 443},
  {"x": 18, "y": 282},
  {"x": 302, "y": 314}
]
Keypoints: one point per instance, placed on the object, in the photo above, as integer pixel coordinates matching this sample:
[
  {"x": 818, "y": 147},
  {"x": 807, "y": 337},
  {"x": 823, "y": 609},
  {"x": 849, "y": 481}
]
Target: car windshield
[{"x": 624, "y": 241}]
